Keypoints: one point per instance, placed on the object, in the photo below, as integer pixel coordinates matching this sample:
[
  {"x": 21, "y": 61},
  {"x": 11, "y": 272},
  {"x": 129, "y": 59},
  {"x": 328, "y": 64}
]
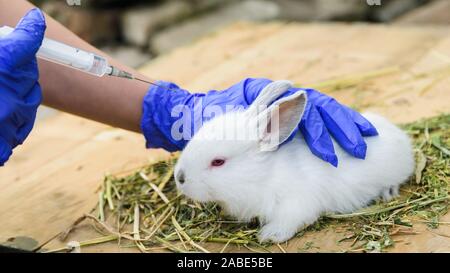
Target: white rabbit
[{"x": 287, "y": 187}]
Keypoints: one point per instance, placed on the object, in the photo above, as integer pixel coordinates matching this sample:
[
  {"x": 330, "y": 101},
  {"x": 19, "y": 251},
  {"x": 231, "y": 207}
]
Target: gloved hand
[
  {"x": 323, "y": 116},
  {"x": 20, "y": 93}
]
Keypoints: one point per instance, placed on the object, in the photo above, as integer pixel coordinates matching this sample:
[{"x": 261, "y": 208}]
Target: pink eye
[{"x": 217, "y": 162}]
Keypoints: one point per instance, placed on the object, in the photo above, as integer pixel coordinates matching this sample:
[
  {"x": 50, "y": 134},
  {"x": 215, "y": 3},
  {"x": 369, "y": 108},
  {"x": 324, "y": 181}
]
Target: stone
[
  {"x": 140, "y": 22},
  {"x": 80, "y": 20},
  {"x": 392, "y": 9},
  {"x": 249, "y": 10},
  {"x": 296, "y": 10},
  {"x": 347, "y": 10},
  {"x": 436, "y": 12},
  {"x": 110, "y": 3}
]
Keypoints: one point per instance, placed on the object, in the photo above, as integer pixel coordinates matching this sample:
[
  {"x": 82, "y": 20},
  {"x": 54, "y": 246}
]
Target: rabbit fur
[{"x": 286, "y": 186}]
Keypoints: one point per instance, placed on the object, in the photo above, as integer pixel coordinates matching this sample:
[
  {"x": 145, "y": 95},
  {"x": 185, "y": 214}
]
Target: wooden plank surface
[{"x": 52, "y": 180}]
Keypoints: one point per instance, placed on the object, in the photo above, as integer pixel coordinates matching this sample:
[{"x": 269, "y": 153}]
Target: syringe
[{"x": 76, "y": 58}]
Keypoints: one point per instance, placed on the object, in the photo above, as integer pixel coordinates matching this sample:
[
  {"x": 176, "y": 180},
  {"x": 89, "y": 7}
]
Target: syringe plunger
[{"x": 76, "y": 58}]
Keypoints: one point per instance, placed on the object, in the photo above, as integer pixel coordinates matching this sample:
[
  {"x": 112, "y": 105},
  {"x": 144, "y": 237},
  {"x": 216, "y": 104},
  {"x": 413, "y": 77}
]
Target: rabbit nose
[{"x": 180, "y": 177}]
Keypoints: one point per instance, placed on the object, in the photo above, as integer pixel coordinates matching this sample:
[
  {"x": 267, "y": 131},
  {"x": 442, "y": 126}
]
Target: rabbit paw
[
  {"x": 390, "y": 193},
  {"x": 275, "y": 233}
]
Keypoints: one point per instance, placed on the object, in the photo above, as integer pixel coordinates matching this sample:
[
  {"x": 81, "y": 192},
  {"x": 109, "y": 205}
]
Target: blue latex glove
[
  {"x": 323, "y": 116},
  {"x": 20, "y": 93}
]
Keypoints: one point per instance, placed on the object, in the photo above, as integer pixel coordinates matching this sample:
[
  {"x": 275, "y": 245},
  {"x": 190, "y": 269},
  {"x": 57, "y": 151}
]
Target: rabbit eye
[{"x": 217, "y": 162}]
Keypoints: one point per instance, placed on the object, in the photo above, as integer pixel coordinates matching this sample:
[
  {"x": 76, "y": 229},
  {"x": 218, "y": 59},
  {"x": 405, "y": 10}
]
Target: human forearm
[
  {"x": 117, "y": 102},
  {"x": 130, "y": 104}
]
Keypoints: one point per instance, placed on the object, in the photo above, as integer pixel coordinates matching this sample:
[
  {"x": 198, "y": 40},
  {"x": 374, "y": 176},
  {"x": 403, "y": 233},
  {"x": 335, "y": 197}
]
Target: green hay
[
  {"x": 424, "y": 198},
  {"x": 165, "y": 219}
]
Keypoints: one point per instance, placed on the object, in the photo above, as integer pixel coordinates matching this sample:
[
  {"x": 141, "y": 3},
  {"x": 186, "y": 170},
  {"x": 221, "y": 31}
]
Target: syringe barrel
[{"x": 63, "y": 54}]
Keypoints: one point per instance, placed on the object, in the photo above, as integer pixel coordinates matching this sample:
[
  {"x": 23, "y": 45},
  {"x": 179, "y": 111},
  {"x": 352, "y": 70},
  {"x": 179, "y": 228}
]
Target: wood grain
[{"x": 52, "y": 180}]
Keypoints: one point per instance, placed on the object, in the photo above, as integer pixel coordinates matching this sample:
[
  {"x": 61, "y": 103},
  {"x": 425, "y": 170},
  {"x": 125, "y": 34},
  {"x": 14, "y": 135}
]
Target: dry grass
[{"x": 146, "y": 209}]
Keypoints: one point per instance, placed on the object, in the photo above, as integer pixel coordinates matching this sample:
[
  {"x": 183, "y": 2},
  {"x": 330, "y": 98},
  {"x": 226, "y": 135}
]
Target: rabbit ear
[
  {"x": 269, "y": 93},
  {"x": 280, "y": 120}
]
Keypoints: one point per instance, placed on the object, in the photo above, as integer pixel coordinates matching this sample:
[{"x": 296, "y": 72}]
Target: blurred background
[{"x": 135, "y": 31}]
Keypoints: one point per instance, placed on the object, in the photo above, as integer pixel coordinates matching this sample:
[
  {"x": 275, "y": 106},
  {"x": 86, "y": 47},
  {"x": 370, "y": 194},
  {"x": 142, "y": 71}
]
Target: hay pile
[{"x": 146, "y": 209}]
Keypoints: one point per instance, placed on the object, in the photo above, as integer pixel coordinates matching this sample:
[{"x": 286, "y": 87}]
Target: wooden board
[{"x": 52, "y": 180}]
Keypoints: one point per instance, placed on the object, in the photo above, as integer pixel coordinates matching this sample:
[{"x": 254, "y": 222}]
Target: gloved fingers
[
  {"x": 26, "y": 38},
  {"x": 251, "y": 87},
  {"x": 16, "y": 113},
  {"x": 157, "y": 119},
  {"x": 158, "y": 105},
  {"x": 365, "y": 127},
  {"x": 341, "y": 126},
  {"x": 28, "y": 113},
  {"x": 23, "y": 109},
  {"x": 31, "y": 26},
  {"x": 7, "y": 122},
  {"x": 23, "y": 132},
  {"x": 6, "y": 108},
  {"x": 317, "y": 137},
  {"x": 5, "y": 151},
  {"x": 34, "y": 97},
  {"x": 22, "y": 79},
  {"x": 254, "y": 86}
]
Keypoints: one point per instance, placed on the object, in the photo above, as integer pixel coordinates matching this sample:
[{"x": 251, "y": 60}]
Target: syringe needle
[
  {"x": 114, "y": 72},
  {"x": 150, "y": 82},
  {"x": 126, "y": 75},
  {"x": 81, "y": 60}
]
